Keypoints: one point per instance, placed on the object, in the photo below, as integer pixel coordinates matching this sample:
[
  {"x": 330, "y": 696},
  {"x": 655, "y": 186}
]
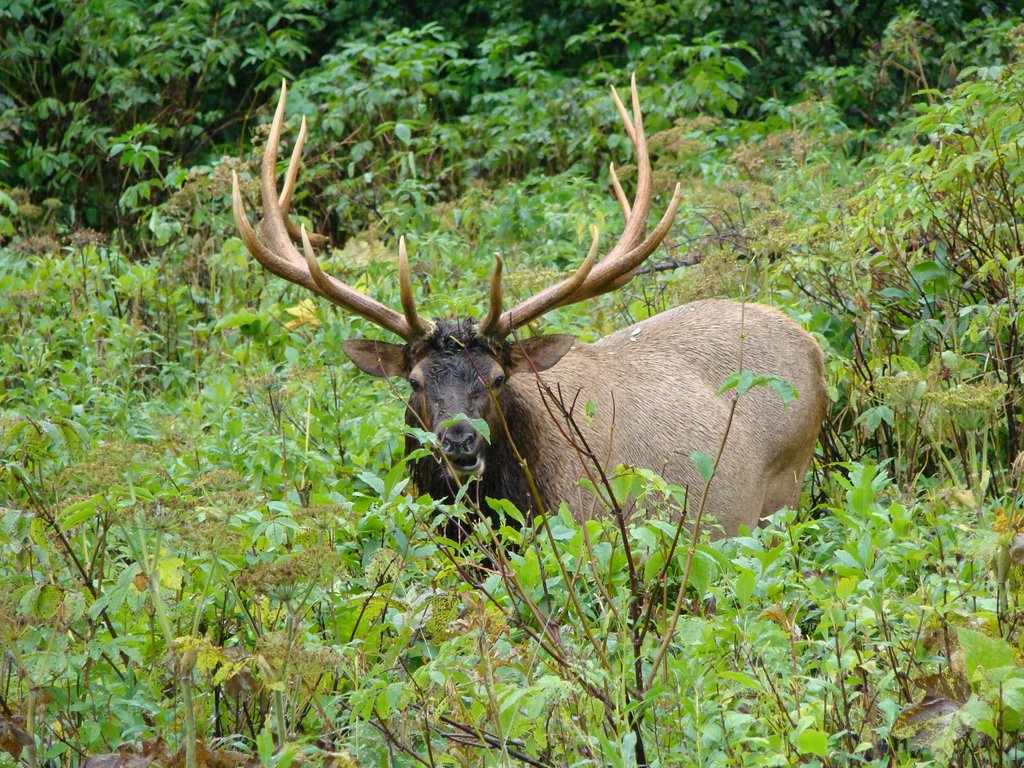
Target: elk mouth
[
  {"x": 466, "y": 465},
  {"x": 463, "y": 450}
]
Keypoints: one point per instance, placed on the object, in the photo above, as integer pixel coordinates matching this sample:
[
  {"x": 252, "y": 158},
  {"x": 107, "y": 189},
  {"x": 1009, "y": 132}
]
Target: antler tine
[
  {"x": 633, "y": 245},
  {"x": 277, "y": 253},
  {"x": 619, "y": 194},
  {"x": 626, "y": 120},
  {"x": 547, "y": 299},
  {"x": 613, "y": 265},
  {"x": 292, "y": 174},
  {"x": 489, "y": 326},
  {"x": 631, "y": 260},
  {"x": 272, "y": 225},
  {"x": 420, "y": 327},
  {"x": 285, "y": 199},
  {"x": 269, "y": 259}
]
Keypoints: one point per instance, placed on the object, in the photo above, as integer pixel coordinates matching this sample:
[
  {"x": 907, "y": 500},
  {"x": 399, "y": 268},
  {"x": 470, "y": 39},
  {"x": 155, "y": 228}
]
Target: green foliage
[
  {"x": 209, "y": 548},
  {"x": 104, "y": 106},
  {"x": 932, "y": 251},
  {"x": 869, "y": 60},
  {"x": 81, "y": 80}
]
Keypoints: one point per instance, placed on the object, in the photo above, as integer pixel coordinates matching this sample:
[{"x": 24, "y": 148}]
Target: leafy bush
[
  {"x": 870, "y": 62},
  {"x": 210, "y": 551},
  {"x": 932, "y": 253},
  {"x": 99, "y": 96}
]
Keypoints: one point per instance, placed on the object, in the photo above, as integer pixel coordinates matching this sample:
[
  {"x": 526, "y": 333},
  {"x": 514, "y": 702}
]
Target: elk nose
[{"x": 459, "y": 439}]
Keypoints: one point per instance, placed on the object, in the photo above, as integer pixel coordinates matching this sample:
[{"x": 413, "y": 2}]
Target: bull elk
[{"x": 649, "y": 391}]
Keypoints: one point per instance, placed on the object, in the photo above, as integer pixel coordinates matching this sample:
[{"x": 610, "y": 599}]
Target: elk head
[{"x": 455, "y": 368}]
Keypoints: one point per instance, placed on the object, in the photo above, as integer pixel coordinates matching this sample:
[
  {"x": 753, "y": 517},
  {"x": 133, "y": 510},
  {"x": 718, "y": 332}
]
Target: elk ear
[
  {"x": 377, "y": 358},
  {"x": 540, "y": 352}
]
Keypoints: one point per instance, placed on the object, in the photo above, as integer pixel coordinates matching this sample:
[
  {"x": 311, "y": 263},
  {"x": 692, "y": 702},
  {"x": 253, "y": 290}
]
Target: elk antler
[
  {"x": 621, "y": 262},
  {"x": 276, "y": 252}
]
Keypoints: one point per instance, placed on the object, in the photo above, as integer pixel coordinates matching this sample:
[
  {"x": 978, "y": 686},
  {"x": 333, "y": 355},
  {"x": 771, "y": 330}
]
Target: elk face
[
  {"x": 457, "y": 375},
  {"x": 450, "y": 384}
]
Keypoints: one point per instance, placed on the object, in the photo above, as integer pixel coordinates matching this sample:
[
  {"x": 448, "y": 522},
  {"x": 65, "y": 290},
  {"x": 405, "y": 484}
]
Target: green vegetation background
[{"x": 208, "y": 553}]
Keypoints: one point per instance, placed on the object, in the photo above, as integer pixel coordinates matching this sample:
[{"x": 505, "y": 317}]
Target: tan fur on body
[{"x": 653, "y": 386}]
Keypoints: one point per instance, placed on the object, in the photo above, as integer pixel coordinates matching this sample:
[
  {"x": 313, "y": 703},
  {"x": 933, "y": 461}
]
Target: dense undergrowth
[{"x": 210, "y": 554}]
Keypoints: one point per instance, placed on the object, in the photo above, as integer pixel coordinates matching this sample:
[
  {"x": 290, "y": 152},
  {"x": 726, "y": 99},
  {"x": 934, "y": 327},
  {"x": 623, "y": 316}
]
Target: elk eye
[
  {"x": 498, "y": 380},
  {"x": 416, "y": 385}
]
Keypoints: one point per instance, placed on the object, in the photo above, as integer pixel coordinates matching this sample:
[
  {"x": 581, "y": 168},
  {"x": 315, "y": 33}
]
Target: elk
[{"x": 644, "y": 396}]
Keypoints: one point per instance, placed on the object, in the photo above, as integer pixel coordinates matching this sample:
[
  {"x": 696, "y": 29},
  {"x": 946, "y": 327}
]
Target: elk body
[{"x": 644, "y": 396}]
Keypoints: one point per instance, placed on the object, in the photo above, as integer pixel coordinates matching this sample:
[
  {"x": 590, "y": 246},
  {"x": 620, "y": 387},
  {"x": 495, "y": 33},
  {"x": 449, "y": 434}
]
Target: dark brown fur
[{"x": 460, "y": 359}]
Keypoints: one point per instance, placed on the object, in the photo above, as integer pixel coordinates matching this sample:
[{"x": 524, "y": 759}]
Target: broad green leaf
[
  {"x": 743, "y": 381},
  {"x": 76, "y": 514},
  {"x": 814, "y": 742},
  {"x": 479, "y": 425},
  {"x": 703, "y": 572},
  {"x": 704, "y": 464},
  {"x": 744, "y": 586},
  {"x": 742, "y": 678},
  {"x": 170, "y": 571},
  {"x": 47, "y": 602},
  {"x": 982, "y": 653}
]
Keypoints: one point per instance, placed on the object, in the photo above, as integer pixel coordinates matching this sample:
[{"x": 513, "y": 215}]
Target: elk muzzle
[{"x": 463, "y": 449}]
